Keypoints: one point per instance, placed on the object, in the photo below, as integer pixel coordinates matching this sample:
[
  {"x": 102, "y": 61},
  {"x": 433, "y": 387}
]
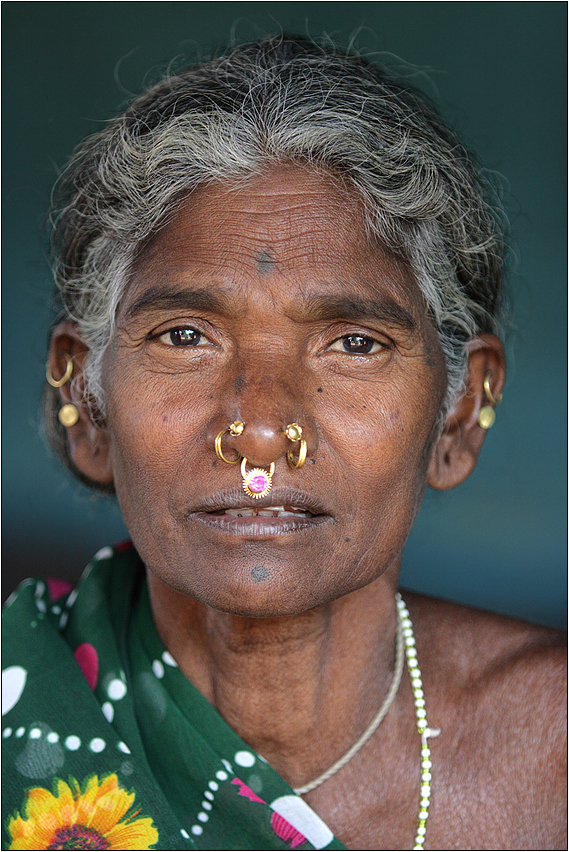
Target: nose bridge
[
  {"x": 265, "y": 387},
  {"x": 267, "y": 394}
]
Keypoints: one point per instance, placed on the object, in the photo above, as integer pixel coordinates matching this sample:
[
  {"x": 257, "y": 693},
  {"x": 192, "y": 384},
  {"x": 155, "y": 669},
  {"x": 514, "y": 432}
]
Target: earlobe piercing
[
  {"x": 487, "y": 415},
  {"x": 68, "y": 414},
  {"x": 235, "y": 429},
  {"x": 294, "y": 433}
]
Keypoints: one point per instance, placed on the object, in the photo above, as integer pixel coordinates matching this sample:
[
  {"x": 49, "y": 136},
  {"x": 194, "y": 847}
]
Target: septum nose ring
[{"x": 258, "y": 482}]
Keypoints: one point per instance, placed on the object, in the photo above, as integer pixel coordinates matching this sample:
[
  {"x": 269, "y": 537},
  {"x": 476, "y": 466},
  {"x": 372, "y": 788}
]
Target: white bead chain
[{"x": 424, "y": 731}]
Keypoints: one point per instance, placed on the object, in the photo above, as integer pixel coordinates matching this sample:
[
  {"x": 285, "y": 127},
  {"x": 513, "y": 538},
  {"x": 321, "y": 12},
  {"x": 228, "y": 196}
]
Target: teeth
[{"x": 269, "y": 512}]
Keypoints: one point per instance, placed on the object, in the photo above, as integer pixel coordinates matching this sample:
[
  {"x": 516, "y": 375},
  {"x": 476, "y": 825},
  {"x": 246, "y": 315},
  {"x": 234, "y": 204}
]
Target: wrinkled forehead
[{"x": 303, "y": 226}]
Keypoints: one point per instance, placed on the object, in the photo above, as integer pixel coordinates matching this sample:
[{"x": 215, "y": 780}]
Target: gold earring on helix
[
  {"x": 487, "y": 415},
  {"x": 68, "y": 414},
  {"x": 258, "y": 482}
]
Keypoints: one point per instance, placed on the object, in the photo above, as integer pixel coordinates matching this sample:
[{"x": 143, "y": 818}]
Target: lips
[
  {"x": 269, "y": 512},
  {"x": 286, "y": 511}
]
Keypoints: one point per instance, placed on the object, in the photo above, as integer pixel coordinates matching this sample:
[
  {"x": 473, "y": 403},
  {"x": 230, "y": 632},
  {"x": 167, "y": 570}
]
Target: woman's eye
[
  {"x": 356, "y": 344},
  {"x": 183, "y": 337}
]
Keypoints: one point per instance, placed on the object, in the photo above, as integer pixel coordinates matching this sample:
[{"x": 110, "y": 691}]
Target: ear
[
  {"x": 88, "y": 438},
  {"x": 455, "y": 454}
]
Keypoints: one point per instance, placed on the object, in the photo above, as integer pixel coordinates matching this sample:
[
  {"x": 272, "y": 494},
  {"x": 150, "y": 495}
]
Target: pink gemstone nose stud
[{"x": 257, "y": 482}]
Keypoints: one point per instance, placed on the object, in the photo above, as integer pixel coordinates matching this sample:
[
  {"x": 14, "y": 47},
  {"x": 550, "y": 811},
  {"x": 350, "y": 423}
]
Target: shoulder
[
  {"x": 479, "y": 640},
  {"x": 493, "y": 658},
  {"x": 497, "y": 687}
]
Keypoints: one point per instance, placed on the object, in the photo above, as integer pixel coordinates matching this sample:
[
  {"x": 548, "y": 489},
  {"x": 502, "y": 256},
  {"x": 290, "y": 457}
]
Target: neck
[{"x": 298, "y": 689}]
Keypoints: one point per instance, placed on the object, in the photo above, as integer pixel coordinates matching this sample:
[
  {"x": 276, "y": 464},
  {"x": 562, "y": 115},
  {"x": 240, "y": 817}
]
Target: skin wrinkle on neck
[{"x": 246, "y": 655}]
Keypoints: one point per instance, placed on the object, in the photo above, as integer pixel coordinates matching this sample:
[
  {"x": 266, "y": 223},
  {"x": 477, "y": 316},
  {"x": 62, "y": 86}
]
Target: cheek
[
  {"x": 377, "y": 429},
  {"x": 388, "y": 445},
  {"x": 153, "y": 434}
]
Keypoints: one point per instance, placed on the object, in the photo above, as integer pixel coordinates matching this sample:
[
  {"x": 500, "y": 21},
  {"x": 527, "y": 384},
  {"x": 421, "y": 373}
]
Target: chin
[
  {"x": 253, "y": 590},
  {"x": 263, "y": 600}
]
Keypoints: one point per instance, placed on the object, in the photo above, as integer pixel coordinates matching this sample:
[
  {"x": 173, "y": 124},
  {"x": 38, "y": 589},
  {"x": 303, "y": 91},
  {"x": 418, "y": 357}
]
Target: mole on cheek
[
  {"x": 260, "y": 573},
  {"x": 239, "y": 382}
]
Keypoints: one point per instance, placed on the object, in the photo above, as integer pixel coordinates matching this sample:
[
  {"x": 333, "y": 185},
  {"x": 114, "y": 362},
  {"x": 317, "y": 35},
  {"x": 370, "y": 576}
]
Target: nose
[{"x": 266, "y": 406}]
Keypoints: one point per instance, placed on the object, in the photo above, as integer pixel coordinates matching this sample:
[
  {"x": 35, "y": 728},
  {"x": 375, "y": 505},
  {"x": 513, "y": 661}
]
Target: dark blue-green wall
[{"x": 497, "y": 70}]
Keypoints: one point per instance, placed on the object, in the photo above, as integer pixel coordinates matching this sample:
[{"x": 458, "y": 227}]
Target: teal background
[{"x": 498, "y": 72}]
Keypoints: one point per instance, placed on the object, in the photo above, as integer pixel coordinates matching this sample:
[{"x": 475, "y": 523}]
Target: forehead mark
[{"x": 264, "y": 262}]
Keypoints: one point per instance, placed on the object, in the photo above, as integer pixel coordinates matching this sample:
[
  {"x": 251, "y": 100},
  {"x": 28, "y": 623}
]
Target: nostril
[{"x": 263, "y": 441}]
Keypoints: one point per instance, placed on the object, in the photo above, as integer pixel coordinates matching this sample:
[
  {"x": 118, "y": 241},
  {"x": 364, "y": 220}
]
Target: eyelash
[
  {"x": 179, "y": 330},
  {"x": 197, "y": 339},
  {"x": 364, "y": 339}
]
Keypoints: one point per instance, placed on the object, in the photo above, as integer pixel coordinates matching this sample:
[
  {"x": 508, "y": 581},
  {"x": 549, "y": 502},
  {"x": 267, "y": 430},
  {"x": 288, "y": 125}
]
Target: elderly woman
[{"x": 279, "y": 276}]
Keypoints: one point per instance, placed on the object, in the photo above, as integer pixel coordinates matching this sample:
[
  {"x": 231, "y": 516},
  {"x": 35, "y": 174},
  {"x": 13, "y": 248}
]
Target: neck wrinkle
[{"x": 299, "y": 690}]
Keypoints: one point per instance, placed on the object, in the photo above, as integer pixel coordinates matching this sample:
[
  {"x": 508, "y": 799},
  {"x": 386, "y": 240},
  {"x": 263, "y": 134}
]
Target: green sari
[{"x": 106, "y": 745}]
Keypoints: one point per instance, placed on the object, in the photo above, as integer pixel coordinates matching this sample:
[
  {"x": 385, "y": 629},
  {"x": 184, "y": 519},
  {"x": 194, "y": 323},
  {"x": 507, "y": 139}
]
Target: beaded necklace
[
  {"x": 405, "y": 641},
  {"x": 422, "y": 727}
]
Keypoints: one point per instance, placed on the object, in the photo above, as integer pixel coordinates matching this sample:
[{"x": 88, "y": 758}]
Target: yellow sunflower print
[{"x": 71, "y": 819}]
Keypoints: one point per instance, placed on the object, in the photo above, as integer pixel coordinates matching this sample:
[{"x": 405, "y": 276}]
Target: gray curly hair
[{"x": 282, "y": 99}]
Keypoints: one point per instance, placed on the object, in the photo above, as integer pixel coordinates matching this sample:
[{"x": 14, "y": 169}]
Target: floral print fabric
[
  {"x": 107, "y": 746},
  {"x": 92, "y": 818}
]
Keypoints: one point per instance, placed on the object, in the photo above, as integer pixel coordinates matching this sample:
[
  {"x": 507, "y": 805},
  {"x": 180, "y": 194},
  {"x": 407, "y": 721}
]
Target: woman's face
[{"x": 267, "y": 303}]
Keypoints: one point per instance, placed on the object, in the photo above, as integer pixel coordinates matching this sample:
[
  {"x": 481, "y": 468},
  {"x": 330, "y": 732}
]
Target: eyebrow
[
  {"x": 383, "y": 309},
  {"x": 163, "y": 298},
  {"x": 318, "y": 307}
]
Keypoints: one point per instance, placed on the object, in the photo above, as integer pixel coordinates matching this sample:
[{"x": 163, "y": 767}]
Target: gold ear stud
[
  {"x": 68, "y": 414},
  {"x": 487, "y": 415}
]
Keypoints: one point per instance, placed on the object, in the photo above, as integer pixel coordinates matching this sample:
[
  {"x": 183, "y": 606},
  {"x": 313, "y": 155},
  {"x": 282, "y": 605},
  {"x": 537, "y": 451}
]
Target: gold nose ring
[
  {"x": 294, "y": 433},
  {"x": 235, "y": 429}
]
